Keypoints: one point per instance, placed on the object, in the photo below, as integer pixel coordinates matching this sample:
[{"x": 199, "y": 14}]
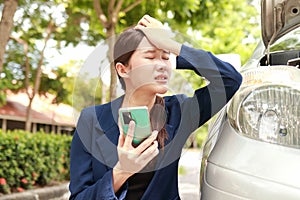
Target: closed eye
[
  {"x": 167, "y": 57},
  {"x": 152, "y": 54},
  {"x": 150, "y": 57}
]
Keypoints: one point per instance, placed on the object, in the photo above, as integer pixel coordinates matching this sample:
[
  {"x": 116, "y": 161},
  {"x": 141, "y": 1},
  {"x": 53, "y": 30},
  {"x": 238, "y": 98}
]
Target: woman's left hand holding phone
[{"x": 133, "y": 159}]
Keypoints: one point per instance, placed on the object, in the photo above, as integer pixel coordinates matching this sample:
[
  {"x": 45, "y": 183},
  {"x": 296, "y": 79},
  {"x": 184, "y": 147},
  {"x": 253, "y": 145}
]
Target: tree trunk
[
  {"x": 6, "y": 25},
  {"x": 109, "y": 22},
  {"x": 113, "y": 74},
  {"x": 28, "y": 115},
  {"x": 103, "y": 91},
  {"x": 37, "y": 81}
]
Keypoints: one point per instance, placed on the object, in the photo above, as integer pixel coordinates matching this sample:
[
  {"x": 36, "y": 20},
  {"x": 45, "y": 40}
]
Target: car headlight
[{"x": 267, "y": 106}]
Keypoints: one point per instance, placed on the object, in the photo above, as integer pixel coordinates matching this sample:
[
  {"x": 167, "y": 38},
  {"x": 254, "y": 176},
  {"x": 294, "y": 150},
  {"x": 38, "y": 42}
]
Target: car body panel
[
  {"x": 248, "y": 156},
  {"x": 235, "y": 165},
  {"x": 236, "y": 169},
  {"x": 235, "y": 185},
  {"x": 277, "y": 18}
]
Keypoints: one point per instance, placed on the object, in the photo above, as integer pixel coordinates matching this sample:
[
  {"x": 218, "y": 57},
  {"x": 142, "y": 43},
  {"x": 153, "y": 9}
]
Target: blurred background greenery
[{"x": 37, "y": 38}]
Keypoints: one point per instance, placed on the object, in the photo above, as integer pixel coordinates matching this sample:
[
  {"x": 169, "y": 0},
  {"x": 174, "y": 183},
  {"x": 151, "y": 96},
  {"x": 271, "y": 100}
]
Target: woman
[{"x": 104, "y": 162}]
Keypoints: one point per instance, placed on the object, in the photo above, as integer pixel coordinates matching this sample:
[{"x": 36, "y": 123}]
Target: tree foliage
[
  {"x": 110, "y": 17},
  {"x": 37, "y": 24},
  {"x": 6, "y": 24},
  {"x": 233, "y": 28},
  {"x": 219, "y": 26}
]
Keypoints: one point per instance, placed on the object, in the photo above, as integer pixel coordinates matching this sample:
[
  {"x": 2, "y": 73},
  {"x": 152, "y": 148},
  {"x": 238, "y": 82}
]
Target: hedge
[{"x": 30, "y": 160}]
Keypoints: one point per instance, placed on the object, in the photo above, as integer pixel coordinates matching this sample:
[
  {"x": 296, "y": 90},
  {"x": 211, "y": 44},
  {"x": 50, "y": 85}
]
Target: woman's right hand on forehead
[
  {"x": 150, "y": 22},
  {"x": 158, "y": 35}
]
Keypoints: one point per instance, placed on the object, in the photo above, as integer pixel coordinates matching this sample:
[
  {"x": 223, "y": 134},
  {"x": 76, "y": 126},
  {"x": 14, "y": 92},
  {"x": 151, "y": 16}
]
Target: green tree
[
  {"x": 87, "y": 93},
  {"x": 88, "y": 89},
  {"x": 39, "y": 27},
  {"x": 235, "y": 30},
  {"x": 6, "y": 24},
  {"x": 43, "y": 25},
  {"x": 53, "y": 82},
  {"x": 113, "y": 16}
]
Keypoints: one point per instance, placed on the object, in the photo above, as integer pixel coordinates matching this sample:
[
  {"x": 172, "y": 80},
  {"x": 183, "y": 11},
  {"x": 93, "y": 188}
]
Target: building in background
[{"x": 47, "y": 117}]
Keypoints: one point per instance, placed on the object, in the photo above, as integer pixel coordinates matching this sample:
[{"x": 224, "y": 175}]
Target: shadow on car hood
[{"x": 277, "y": 18}]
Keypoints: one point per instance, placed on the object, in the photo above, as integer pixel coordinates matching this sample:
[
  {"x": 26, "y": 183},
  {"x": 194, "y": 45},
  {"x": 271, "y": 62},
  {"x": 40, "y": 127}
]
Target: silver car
[{"x": 253, "y": 146}]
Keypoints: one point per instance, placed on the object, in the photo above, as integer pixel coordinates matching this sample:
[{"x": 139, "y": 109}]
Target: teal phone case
[{"x": 142, "y": 122}]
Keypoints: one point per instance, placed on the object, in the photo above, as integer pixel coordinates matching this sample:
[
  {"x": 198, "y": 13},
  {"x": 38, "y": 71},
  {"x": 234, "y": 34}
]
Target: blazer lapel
[{"x": 107, "y": 117}]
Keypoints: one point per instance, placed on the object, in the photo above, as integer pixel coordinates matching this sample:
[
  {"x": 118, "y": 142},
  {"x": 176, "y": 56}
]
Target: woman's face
[{"x": 149, "y": 69}]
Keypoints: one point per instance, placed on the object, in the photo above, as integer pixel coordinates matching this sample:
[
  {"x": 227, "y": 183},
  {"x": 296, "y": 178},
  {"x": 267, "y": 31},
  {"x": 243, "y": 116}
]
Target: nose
[{"x": 161, "y": 66}]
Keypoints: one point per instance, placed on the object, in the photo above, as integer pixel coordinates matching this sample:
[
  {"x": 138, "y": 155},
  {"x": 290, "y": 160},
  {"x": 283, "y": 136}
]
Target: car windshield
[{"x": 290, "y": 41}]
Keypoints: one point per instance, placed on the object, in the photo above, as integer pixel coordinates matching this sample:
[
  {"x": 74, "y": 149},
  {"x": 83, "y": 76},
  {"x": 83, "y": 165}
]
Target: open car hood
[{"x": 277, "y": 18}]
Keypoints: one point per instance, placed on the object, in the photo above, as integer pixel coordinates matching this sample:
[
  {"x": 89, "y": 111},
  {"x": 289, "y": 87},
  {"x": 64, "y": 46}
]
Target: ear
[{"x": 121, "y": 69}]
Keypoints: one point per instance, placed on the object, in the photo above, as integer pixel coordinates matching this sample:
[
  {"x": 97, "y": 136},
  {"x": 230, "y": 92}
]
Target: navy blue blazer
[{"x": 94, "y": 144}]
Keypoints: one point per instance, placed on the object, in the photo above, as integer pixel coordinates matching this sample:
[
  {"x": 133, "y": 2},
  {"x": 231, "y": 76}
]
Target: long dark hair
[{"x": 125, "y": 46}]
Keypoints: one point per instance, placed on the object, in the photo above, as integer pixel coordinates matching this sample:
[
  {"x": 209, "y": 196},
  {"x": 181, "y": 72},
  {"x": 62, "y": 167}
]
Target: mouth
[{"x": 162, "y": 79}]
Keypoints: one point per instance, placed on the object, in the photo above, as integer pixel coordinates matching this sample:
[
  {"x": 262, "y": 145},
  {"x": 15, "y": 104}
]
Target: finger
[
  {"x": 148, "y": 18},
  {"x": 149, "y": 153},
  {"x": 143, "y": 23},
  {"x": 121, "y": 136},
  {"x": 147, "y": 142},
  {"x": 152, "y": 22},
  {"x": 121, "y": 139},
  {"x": 129, "y": 135},
  {"x": 140, "y": 27},
  {"x": 152, "y": 156}
]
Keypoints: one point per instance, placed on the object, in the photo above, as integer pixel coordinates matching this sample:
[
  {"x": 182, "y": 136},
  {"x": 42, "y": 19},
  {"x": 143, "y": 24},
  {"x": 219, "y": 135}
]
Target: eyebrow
[{"x": 154, "y": 50}]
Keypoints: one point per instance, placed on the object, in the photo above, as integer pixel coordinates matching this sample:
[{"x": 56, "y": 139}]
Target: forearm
[
  {"x": 224, "y": 81},
  {"x": 174, "y": 47},
  {"x": 102, "y": 189},
  {"x": 119, "y": 178},
  {"x": 207, "y": 65}
]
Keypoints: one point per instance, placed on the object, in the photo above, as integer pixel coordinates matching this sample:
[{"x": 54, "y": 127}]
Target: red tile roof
[{"x": 43, "y": 111}]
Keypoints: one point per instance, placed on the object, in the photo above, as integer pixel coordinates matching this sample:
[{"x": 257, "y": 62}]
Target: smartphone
[{"x": 140, "y": 116}]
